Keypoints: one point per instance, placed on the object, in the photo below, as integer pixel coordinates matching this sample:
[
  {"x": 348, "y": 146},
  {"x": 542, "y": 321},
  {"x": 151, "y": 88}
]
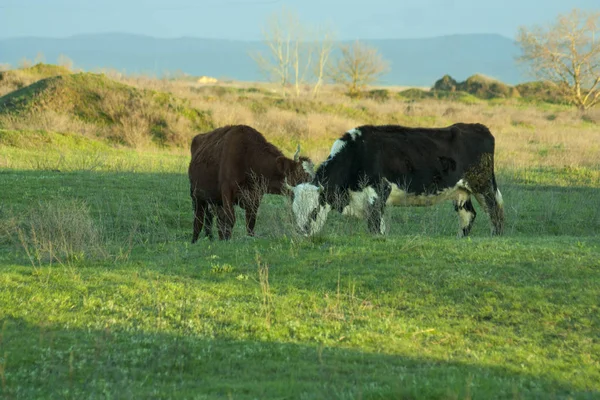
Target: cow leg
[
  {"x": 209, "y": 216},
  {"x": 466, "y": 213},
  {"x": 491, "y": 201},
  {"x": 375, "y": 221},
  {"x": 249, "y": 201},
  {"x": 221, "y": 222},
  {"x": 226, "y": 214},
  {"x": 376, "y": 211},
  {"x": 251, "y": 212},
  {"x": 199, "y": 215}
]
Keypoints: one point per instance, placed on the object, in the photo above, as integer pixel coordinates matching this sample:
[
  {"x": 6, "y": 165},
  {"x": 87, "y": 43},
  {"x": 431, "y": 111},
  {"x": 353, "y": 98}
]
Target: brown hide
[{"x": 236, "y": 165}]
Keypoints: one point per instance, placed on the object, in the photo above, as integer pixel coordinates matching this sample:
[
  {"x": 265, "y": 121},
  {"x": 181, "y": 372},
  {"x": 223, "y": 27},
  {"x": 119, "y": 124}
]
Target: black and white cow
[{"x": 370, "y": 167}]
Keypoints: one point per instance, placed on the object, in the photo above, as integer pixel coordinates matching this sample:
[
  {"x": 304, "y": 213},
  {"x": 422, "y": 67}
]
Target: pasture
[{"x": 102, "y": 296}]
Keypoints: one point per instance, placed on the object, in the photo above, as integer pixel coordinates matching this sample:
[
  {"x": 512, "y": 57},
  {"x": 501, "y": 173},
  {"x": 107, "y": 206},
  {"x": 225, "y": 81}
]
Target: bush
[
  {"x": 446, "y": 84},
  {"x": 477, "y": 85},
  {"x": 487, "y": 88},
  {"x": 60, "y": 230},
  {"x": 542, "y": 91},
  {"x": 415, "y": 94},
  {"x": 380, "y": 95}
]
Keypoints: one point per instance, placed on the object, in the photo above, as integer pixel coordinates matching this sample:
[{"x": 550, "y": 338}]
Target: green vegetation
[{"x": 102, "y": 295}]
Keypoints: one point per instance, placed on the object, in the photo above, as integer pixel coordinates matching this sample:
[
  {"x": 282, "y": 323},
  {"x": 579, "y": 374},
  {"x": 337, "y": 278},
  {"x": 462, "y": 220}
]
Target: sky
[{"x": 244, "y": 19}]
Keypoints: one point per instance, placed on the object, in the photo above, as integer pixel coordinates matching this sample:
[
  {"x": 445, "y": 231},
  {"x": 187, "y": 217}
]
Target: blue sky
[{"x": 243, "y": 19}]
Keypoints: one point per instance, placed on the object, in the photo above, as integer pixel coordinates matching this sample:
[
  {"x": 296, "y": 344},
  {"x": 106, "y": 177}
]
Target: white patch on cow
[
  {"x": 465, "y": 217},
  {"x": 357, "y": 207},
  {"x": 309, "y": 168},
  {"x": 382, "y": 227},
  {"x": 462, "y": 184},
  {"x": 354, "y": 133},
  {"x": 499, "y": 198},
  {"x": 338, "y": 145},
  {"x": 306, "y": 203},
  {"x": 399, "y": 197},
  {"x": 317, "y": 224}
]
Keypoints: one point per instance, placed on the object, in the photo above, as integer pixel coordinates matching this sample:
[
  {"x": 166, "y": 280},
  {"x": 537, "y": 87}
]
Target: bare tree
[
  {"x": 280, "y": 36},
  {"x": 39, "y": 58},
  {"x": 301, "y": 57},
  {"x": 323, "y": 46},
  {"x": 567, "y": 53},
  {"x": 65, "y": 62},
  {"x": 25, "y": 63},
  {"x": 358, "y": 66},
  {"x": 293, "y": 49}
]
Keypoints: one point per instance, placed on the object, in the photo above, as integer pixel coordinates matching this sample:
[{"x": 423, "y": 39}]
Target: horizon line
[{"x": 143, "y": 35}]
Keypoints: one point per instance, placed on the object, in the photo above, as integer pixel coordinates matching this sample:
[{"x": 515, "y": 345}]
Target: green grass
[
  {"x": 139, "y": 312},
  {"x": 52, "y": 151}
]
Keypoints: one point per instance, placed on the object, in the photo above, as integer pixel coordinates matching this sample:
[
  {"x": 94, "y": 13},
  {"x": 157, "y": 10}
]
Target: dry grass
[
  {"x": 50, "y": 121},
  {"x": 527, "y": 134}
]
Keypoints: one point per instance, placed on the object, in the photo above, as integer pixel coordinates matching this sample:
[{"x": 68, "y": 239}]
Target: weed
[
  {"x": 265, "y": 289},
  {"x": 61, "y": 230}
]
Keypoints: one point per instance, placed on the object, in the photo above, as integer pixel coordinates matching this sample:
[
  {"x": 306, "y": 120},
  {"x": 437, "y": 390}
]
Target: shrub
[{"x": 446, "y": 84}]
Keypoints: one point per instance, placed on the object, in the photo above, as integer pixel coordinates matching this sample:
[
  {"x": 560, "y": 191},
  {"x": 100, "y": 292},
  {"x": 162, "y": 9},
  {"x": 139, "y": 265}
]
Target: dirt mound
[
  {"x": 92, "y": 103},
  {"x": 18, "y": 78}
]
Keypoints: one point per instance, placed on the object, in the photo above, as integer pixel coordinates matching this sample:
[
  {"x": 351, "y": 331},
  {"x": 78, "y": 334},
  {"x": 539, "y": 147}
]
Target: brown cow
[{"x": 232, "y": 165}]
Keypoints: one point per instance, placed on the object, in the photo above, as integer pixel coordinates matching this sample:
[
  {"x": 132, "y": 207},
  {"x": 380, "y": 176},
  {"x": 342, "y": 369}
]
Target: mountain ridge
[{"x": 413, "y": 62}]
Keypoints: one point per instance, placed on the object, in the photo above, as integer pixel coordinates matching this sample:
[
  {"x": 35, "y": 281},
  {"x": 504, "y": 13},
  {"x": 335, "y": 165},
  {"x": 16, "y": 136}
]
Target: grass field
[{"x": 102, "y": 296}]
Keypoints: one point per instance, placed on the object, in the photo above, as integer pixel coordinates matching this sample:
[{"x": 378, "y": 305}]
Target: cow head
[
  {"x": 298, "y": 170},
  {"x": 309, "y": 207}
]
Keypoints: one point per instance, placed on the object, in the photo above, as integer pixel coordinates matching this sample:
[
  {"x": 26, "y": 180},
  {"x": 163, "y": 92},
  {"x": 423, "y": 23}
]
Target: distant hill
[{"x": 414, "y": 62}]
